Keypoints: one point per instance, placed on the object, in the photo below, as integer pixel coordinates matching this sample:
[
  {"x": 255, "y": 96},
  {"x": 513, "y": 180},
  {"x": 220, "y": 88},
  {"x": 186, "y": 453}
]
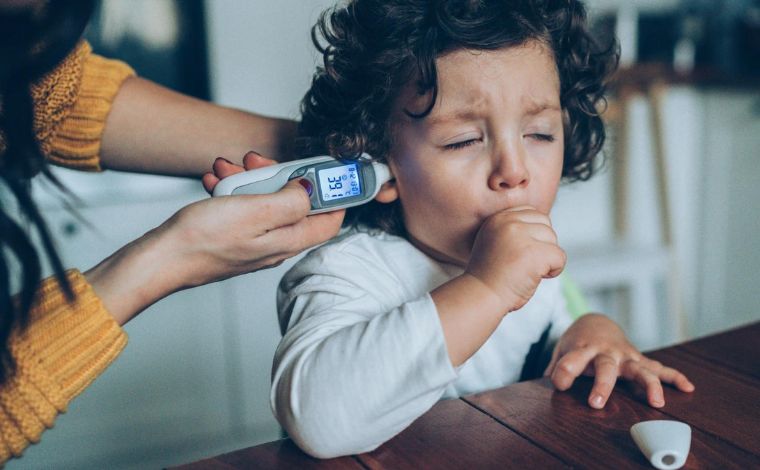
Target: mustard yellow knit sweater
[{"x": 66, "y": 345}]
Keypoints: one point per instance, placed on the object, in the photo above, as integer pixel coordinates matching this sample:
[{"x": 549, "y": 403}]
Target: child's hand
[
  {"x": 513, "y": 251},
  {"x": 223, "y": 168},
  {"x": 595, "y": 346}
]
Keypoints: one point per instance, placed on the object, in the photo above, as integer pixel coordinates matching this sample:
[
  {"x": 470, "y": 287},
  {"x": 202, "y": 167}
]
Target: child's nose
[{"x": 509, "y": 171}]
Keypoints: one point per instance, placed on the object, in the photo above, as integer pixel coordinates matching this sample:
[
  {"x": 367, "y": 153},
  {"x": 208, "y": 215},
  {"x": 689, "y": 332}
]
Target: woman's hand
[
  {"x": 223, "y": 168},
  {"x": 595, "y": 346},
  {"x": 211, "y": 240}
]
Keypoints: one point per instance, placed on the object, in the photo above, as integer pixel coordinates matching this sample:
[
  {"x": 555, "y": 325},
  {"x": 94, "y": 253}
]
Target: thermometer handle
[
  {"x": 268, "y": 179},
  {"x": 362, "y": 179}
]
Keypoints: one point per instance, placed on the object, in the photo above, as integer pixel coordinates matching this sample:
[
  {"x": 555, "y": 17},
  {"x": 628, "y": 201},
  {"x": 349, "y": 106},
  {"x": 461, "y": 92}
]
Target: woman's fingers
[
  {"x": 306, "y": 233},
  {"x": 289, "y": 240},
  {"x": 256, "y": 216},
  {"x": 223, "y": 168},
  {"x": 263, "y": 213},
  {"x": 294, "y": 200},
  {"x": 253, "y": 160},
  {"x": 287, "y": 206},
  {"x": 209, "y": 181},
  {"x": 222, "y": 237}
]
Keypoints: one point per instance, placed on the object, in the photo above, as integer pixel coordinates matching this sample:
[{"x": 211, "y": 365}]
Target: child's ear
[{"x": 388, "y": 192}]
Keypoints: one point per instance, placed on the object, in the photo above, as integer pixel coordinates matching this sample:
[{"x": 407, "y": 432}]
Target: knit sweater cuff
[
  {"x": 75, "y": 141},
  {"x": 64, "y": 348}
]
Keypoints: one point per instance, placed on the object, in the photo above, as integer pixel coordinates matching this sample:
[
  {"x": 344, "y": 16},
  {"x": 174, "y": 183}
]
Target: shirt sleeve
[
  {"x": 351, "y": 371},
  {"x": 71, "y": 105},
  {"x": 63, "y": 349}
]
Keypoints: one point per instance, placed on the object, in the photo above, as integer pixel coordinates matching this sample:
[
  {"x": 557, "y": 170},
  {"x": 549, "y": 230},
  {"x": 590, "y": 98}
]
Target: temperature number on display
[{"x": 340, "y": 182}]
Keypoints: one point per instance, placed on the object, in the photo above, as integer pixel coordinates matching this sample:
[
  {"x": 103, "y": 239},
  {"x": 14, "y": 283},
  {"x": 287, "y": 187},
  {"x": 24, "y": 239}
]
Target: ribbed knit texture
[
  {"x": 66, "y": 346},
  {"x": 70, "y": 130},
  {"x": 71, "y": 105}
]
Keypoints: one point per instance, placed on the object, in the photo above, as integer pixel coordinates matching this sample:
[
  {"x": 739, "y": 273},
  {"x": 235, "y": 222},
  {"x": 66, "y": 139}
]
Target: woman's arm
[
  {"x": 152, "y": 129},
  {"x": 208, "y": 241}
]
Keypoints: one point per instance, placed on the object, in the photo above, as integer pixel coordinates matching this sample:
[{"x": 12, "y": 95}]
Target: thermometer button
[{"x": 298, "y": 173}]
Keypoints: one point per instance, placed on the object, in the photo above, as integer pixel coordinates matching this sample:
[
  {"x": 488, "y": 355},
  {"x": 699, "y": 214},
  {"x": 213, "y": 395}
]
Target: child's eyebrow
[
  {"x": 539, "y": 107},
  {"x": 462, "y": 115},
  {"x": 459, "y": 115}
]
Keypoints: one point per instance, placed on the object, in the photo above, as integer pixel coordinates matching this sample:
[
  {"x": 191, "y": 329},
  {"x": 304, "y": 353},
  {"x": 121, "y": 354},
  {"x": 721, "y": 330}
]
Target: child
[{"x": 445, "y": 282}]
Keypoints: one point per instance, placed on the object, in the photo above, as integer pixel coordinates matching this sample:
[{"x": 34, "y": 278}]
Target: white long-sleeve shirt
[{"x": 363, "y": 352}]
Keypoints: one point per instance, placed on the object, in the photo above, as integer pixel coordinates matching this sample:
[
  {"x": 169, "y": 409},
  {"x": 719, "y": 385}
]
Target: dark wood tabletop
[{"x": 529, "y": 425}]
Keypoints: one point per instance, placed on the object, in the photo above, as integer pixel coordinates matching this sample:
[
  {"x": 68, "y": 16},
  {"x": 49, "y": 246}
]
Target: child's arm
[
  {"x": 358, "y": 363},
  {"x": 513, "y": 251},
  {"x": 595, "y": 345},
  {"x": 355, "y": 366}
]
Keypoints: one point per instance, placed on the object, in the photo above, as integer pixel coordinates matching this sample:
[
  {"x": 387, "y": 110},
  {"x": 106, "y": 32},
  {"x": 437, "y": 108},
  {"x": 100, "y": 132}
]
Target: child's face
[{"x": 493, "y": 141}]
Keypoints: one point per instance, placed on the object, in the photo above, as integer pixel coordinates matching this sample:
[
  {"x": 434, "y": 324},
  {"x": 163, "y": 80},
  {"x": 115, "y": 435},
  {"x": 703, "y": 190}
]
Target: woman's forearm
[
  {"x": 136, "y": 276},
  {"x": 152, "y": 129},
  {"x": 207, "y": 241}
]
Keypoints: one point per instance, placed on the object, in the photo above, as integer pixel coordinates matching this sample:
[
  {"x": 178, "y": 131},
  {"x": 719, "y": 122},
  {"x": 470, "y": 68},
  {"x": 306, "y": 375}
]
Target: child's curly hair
[{"x": 374, "y": 47}]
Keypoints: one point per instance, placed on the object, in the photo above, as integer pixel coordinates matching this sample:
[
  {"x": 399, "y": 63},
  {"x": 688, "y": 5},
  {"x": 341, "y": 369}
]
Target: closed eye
[
  {"x": 462, "y": 144},
  {"x": 542, "y": 137}
]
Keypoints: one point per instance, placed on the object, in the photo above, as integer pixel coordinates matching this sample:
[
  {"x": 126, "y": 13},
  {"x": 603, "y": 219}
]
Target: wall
[
  {"x": 261, "y": 59},
  {"x": 260, "y": 53}
]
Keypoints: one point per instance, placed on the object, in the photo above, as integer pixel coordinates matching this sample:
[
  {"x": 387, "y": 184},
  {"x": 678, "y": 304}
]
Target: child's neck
[{"x": 439, "y": 256}]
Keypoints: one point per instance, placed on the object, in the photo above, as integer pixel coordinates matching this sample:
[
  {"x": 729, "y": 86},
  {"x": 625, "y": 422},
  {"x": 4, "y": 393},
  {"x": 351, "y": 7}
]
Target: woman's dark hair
[
  {"x": 33, "y": 41},
  {"x": 371, "y": 48}
]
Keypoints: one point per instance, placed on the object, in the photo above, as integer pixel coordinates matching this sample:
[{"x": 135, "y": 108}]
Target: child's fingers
[
  {"x": 557, "y": 258},
  {"x": 674, "y": 377},
  {"x": 606, "y": 371},
  {"x": 637, "y": 372},
  {"x": 570, "y": 366}
]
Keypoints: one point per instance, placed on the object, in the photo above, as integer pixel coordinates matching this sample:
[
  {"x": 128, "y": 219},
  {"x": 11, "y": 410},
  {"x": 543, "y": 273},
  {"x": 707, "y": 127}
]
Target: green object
[{"x": 576, "y": 302}]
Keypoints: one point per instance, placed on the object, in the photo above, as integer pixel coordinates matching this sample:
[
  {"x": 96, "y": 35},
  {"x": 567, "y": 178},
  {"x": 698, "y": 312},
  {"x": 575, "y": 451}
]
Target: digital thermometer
[{"x": 335, "y": 184}]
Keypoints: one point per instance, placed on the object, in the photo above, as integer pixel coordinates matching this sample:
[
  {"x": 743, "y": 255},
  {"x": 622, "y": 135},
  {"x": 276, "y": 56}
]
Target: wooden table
[{"x": 529, "y": 425}]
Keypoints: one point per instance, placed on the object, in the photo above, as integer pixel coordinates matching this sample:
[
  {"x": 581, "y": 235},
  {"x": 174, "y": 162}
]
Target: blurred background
[{"x": 664, "y": 239}]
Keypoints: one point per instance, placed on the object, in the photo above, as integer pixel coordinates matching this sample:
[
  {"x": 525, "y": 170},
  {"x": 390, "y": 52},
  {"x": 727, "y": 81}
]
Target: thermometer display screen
[{"x": 339, "y": 182}]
